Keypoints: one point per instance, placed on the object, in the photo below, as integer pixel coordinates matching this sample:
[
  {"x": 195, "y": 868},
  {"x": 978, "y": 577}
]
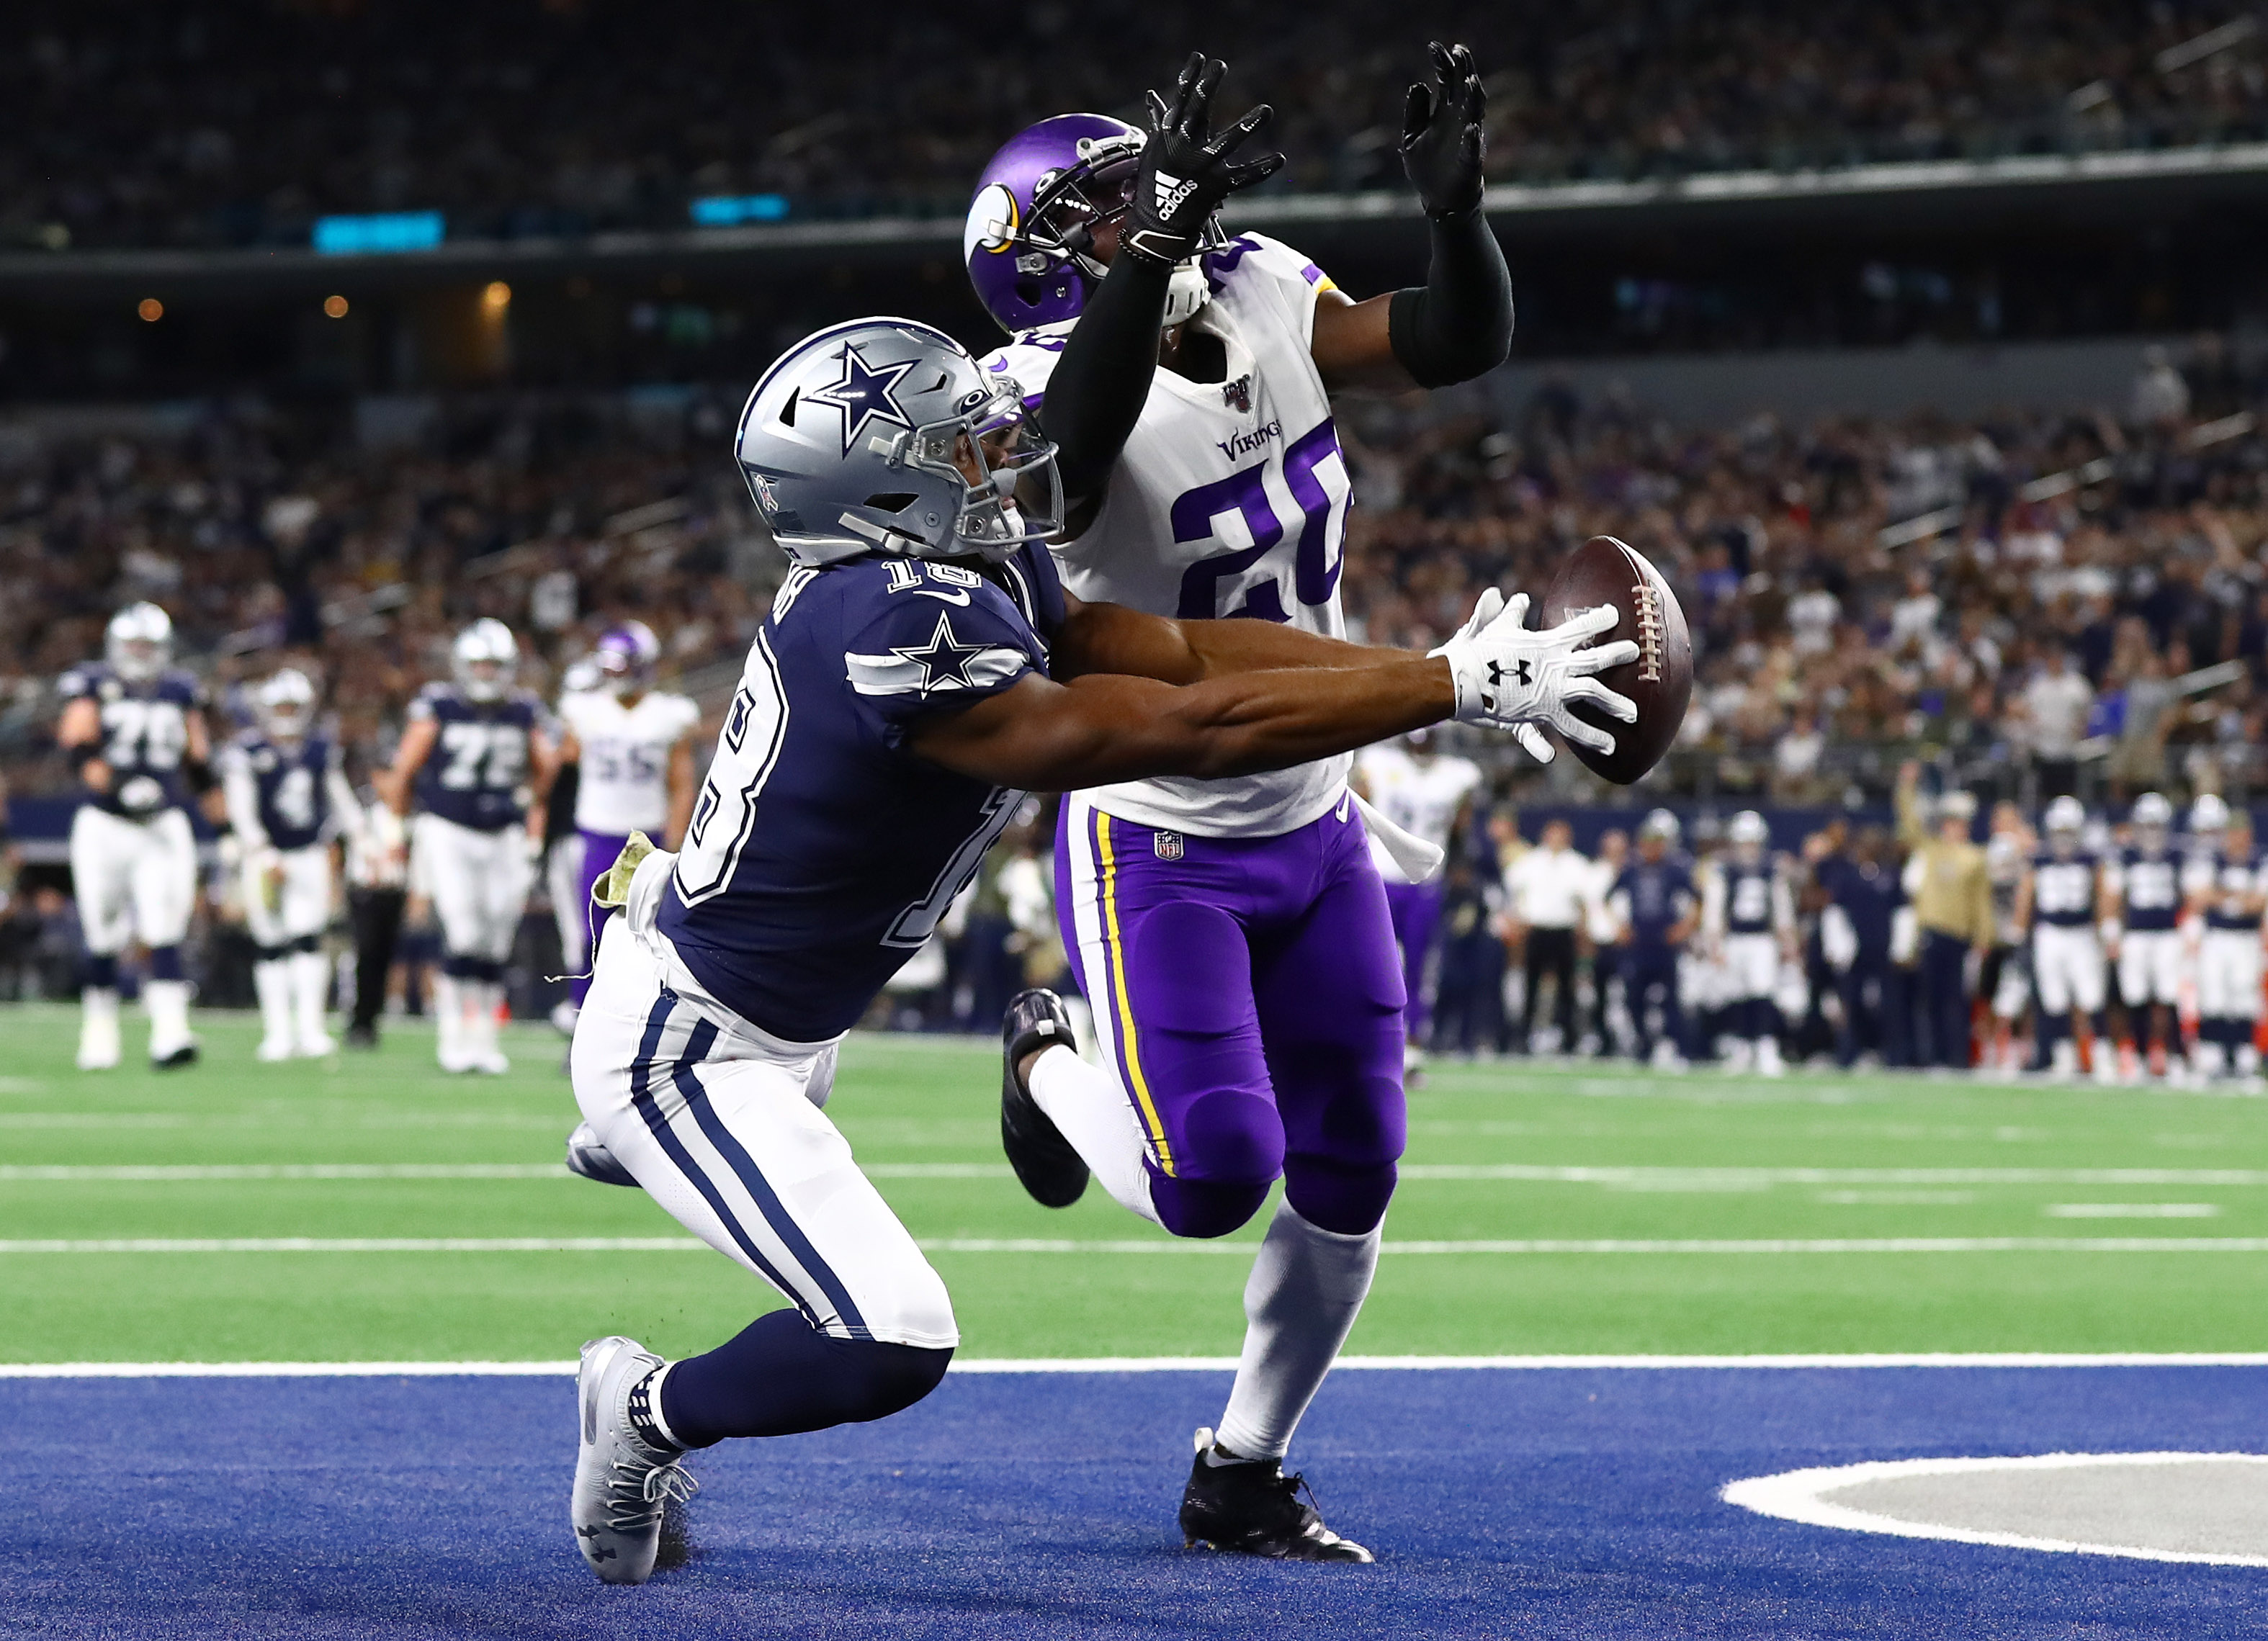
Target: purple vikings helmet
[
  {"x": 626, "y": 655},
  {"x": 1031, "y": 225}
]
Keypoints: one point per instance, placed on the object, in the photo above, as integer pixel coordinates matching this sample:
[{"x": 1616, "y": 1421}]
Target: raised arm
[{"x": 1458, "y": 324}]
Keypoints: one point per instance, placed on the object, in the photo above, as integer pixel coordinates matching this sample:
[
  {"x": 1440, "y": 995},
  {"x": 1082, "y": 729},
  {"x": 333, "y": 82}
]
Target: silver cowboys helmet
[
  {"x": 882, "y": 435},
  {"x": 485, "y": 658},
  {"x": 2152, "y": 815},
  {"x": 138, "y": 643},
  {"x": 2209, "y": 814},
  {"x": 2064, "y": 820},
  {"x": 285, "y": 705},
  {"x": 1749, "y": 833},
  {"x": 1658, "y": 823}
]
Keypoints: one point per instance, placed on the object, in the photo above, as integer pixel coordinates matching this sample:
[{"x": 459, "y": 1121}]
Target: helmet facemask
[
  {"x": 1069, "y": 205},
  {"x": 1001, "y": 467}
]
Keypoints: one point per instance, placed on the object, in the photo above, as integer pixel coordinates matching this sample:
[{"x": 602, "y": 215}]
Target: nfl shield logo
[{"x": 1168, "y": 845}]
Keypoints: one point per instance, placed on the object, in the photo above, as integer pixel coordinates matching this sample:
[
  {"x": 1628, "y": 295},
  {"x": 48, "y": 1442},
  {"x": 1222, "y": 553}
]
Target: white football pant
[
  {"x": 2067, "y": 968},
  {"x": 2149, "y": 966},
  {"x": 134, "y": 879},
  {"x": 723, "y": 1126}
]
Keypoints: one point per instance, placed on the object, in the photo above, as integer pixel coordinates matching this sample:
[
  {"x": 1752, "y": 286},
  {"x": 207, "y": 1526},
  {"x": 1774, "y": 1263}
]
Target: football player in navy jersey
[
  {"x": 287, "y": 797},
  {"x": 1657, "y": 910},
  {"x": 2142, "y": 889},
  {"x": 1749, "y": 916},
  {"x": 920, "y": 670},
  {"x": 1244, "y": 999},
  {"x": 134, "y": 725},
  {"x": 2060, "y": 899},
  {"x": 2224, "y": 883},
  {"x": 474, "y": 757}
]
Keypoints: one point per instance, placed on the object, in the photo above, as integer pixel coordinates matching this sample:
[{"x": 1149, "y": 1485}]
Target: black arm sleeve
[
  {"x": 1099, "y": 386},
  {"x": 1458, "y": 324}
]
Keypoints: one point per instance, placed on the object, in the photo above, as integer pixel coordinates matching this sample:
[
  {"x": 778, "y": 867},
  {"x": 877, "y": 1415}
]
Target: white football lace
[{"x": 639, "y": 1493}]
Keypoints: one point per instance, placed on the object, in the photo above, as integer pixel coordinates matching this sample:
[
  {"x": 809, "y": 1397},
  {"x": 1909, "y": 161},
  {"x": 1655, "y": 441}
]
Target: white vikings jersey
[
  {"x": 1229, "y": 499},
  {"x": 625, "y": 784},
  {"x": 1419, "y": 795}
]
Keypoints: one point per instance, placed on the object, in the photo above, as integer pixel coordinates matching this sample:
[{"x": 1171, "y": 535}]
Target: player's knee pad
[
  {"x": 1204, "y": 1208},
  {"x": 165, "y": 963},
  {"x": 1347, "y": 1199},
  {"x": 1229, "y": 1137}
]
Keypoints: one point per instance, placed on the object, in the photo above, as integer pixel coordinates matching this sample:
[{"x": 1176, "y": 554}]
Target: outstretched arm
[
  {"x": 1458, "y": 324},
  {"x": 1113, "y": 638}
]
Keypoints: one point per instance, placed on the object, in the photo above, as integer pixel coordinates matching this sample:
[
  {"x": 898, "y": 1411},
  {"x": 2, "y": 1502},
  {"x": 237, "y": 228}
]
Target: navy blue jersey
[
  {"x": 1869, "y": 896},
  {"x": 477, "y": 771},
  {"x": 2063, "y": 890},
  {"x": 1659, "y": 894},
  {"x": 822, "y": 852},
  {"x": 2229, "y": 886},
  {"x": 1748, "y": 897},
  {"x": 145, "y": 733},
  {"x": 2149, "y": 890},
  {"x": 290, "y": 786}
]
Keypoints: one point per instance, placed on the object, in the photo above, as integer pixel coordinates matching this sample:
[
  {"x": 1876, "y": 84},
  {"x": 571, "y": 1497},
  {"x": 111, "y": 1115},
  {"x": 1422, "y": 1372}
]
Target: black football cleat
[
  {"x": 174, "y": 1059},
  {"x": 1052, "y": 1173},
  {"x": 1254, "y": 1509}
]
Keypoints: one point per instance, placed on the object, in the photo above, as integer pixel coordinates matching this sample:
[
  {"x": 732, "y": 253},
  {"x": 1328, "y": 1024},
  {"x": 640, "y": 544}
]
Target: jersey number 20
[{"x": 1322, "y": 531}]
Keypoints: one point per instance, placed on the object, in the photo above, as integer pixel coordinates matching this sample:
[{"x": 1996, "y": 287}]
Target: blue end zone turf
[{"x": 1559, "y": 1502}]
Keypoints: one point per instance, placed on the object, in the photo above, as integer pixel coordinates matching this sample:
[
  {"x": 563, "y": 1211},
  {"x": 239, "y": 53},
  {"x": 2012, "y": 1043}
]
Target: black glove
[
  {"x": 1441, "y": 136},
  {"x": 1185, "y": 172}
]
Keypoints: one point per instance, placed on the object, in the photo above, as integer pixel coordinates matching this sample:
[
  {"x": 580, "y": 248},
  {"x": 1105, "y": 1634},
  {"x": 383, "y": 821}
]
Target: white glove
[{"x": 1514, "y": 678}]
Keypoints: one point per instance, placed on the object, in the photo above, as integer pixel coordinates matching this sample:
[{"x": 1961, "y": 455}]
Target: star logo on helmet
[
  {"x": 865, "y": 394},
  {"x": 944, "y": 660}
]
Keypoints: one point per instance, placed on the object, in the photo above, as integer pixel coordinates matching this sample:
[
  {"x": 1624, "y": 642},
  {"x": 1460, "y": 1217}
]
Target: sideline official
[{"x": 1951, "y": 889}]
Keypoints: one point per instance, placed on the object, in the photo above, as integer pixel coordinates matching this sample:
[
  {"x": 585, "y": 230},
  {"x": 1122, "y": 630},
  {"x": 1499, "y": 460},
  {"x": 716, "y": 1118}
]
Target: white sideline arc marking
[
  {"x": 1040, "y": 1245},
  {"x": 1794, "y": 1496},
  {"x": 1182, "y": 1365}
]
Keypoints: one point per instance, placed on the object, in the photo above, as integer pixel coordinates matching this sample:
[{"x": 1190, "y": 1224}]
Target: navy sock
[
  {"x": 102, "y": 971},
  {"x": 166, "y": 962},
  {"x": 780, "y": 1375}
]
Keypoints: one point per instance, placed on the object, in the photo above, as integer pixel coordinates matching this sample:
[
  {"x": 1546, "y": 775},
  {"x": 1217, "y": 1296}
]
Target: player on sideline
[
  {"x": 2224, "y": 884},
  {"x": 1232, "y": 934},
  {"x": 632, "y": 748},
  {"x": 920, "y": 670},
  {"x": 1656, "y": 910},
  {"x": 2060, "y": 899},
  {"x": 2142, "y": 891},
  {"x": 1428, "y": 796},
  {"x": 134, "y": 726},
  {"x": 475, "y": 756},
  {"x": 1747, "y": 916},
  {"x": 287, "y": 794}
]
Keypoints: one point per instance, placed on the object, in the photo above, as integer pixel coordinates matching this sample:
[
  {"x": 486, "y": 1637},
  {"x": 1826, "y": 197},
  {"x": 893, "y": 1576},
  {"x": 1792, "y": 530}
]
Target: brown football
[{"x": 1659, "y": 682}]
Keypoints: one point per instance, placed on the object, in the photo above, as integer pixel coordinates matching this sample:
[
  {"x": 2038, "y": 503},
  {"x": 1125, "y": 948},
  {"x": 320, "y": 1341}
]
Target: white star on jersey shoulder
[{"x": 944, "y": 663}]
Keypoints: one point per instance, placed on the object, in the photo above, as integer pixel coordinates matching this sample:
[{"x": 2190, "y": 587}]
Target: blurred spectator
[
  {"x": 2055, "y": 705},
  {"x": 1546, "y": 891}
]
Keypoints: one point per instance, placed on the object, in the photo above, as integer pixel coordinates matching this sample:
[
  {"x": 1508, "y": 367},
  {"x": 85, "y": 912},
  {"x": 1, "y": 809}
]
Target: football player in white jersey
[
  {"x": 475, "y": 758},
  {"x": 1428, "y": 796},
  {"x": 134, "y": 727},
  {"x": 2142, "y": 894},
  {"x": 632, "y": 747},
  {"x": 2059, "y": 900},
  {"x": 2224, "y": 883},
  {"x": 288, "y": 798},
  {"x": 1233, "y": 933}
]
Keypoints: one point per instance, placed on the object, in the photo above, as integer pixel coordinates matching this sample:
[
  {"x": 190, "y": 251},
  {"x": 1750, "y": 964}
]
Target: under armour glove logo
[{"x": 1520, "y": 673}]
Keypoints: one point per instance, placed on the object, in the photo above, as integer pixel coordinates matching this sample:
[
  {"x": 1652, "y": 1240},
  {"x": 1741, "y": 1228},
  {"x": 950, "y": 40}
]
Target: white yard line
[
  {"x": 1190, "y": 1364},
  {"x": 1241, "y": 1247}
]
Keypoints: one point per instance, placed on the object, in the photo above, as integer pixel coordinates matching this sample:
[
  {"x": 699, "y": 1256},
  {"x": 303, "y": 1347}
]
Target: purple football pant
[
  {"x": 599, "y": 852},
  {"x": 1416, "y": 912},
  {"x": 1247, "y": 997}
]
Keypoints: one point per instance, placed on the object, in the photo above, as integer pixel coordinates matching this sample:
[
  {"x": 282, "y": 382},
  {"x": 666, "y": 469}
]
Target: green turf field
[{"x": 1497, "y": 1155}]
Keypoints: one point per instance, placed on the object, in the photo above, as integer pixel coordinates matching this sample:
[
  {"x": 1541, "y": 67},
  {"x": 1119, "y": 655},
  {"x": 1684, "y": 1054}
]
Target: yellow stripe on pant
[{"x": 1122, "y": 1009}]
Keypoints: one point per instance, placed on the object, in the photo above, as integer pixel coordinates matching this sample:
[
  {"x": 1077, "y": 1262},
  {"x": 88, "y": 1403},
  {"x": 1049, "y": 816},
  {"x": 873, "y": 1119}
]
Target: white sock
[
  {"x": 1306, "y": 1289},
  {"x": 486, "y": 997},
  {"x": 271, "y": 980},
  {"x": 1099, "y": 1121},
  {"x": 167, "y": 1004},
  {"x": 448, "y": 1006},
  {"x": 311, "y": 985}
]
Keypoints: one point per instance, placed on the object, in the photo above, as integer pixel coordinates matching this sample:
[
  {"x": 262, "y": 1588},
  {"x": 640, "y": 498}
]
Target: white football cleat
[
  {"x": 1768, "y": 1061},
  {"x": 489, "y": 1061},
  {"x": 621, "y": 1484},
  {"x": 321, "y": 1045},
  {"x": 98, "y": 1031},
  {"x": 272, "y": 1049}
]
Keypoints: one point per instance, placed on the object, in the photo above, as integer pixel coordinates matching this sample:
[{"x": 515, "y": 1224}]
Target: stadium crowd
[
  {"x": 2107, "y": 635},
  {"x": 349, "y": 108}
]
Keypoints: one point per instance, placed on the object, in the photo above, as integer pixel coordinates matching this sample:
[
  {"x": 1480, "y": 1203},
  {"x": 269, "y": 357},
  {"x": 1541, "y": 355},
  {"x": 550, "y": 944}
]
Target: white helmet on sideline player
[
  {"x": 2066, "y": 819},
  {"x": 1658, "y": 823},
  {"x": 2152, "y": 816},
  {"x": 485, "y": 658},
  {"x": 138, "y": 643},
  {"x": 1749, "y": 833},
  {"x": 285, "y": 705},
  {"x": 2209, "y": 814}
]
